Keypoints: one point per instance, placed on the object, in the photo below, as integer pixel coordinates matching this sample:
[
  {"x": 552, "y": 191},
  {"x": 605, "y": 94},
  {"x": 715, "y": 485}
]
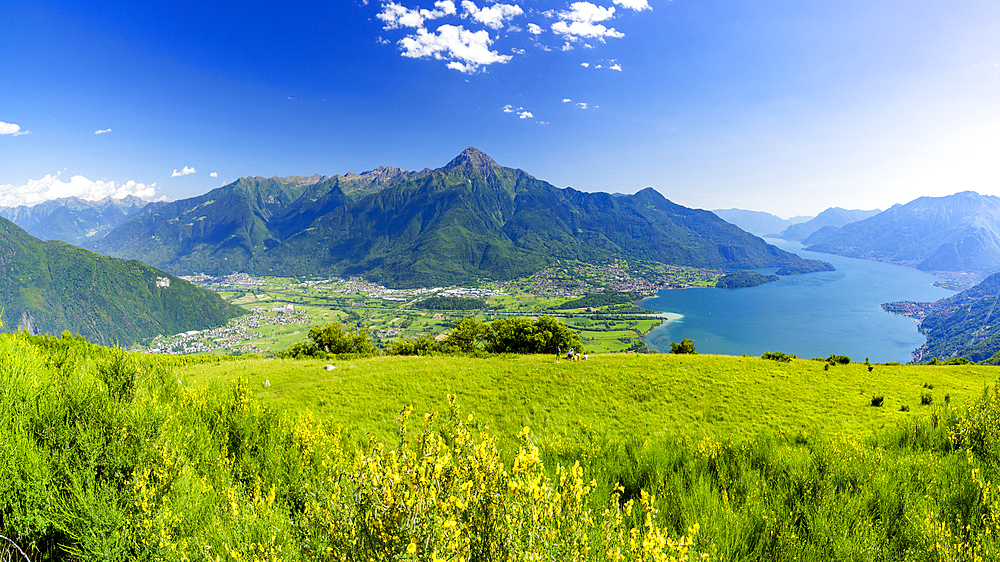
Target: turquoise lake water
[{"x": 810, "y": 315}]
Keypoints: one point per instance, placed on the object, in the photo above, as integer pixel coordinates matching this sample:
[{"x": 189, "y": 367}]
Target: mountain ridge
[
  {"x": 470, "y": 219},
  {"x": 959, "y": 232}
]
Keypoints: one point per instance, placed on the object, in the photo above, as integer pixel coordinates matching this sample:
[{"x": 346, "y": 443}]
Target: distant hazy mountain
[
  {"x": 471, "y": 219},
  {"x": 959, "y": 232},
  {"x": 832, "y": 218},
  {"x": 77, "y": 221},
  {"x": 758, "y": 222},
  {"x": 51, "y": 286}
]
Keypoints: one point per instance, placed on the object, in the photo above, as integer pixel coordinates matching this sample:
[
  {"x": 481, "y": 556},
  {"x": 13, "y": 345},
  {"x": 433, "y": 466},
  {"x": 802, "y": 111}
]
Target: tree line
[{"x": 504, "y": 335}]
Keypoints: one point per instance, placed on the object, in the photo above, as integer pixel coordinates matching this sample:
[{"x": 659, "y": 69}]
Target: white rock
[
  {"x": 267, "y": 384},
  {"x": 329, "y": 367}
]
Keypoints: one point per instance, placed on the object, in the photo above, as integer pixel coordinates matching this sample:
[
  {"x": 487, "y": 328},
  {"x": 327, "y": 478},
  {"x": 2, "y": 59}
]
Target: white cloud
[
  {"x": 581, "y": 21},
  {"x": 535, "y": 29},
  {"x": 9, "y": 128},
  {"x": 466, "y": 50},
  {"x": 396, "y": 15},
  {"x": 586, "y": 12},
  {"x": 492, "y": 17},
  {"x": 566, "y": 100},
  {"x": 102, "y": 131},
  {"x": 585, "y": 64},
  {"x": 582, "y": 105},
  {"x": 214, "y": 174},
  {"x": 616, "y": 66},
  {"x": 187, "y": 170},
  {"x": 509, "y": 108},
  {"x": 525, "y": 114},
  {"x": 637, "y": 5},
  {"x": 51, "y": 187}
]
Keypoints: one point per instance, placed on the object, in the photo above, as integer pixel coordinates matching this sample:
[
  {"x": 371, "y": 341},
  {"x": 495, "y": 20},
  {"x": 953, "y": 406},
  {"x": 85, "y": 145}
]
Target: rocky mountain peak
[{"x": 472, "y": 159}]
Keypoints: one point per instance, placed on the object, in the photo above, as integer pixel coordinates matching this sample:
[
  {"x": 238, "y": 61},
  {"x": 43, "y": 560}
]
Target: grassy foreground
[
  {"x": 104, "y": 455},
  {"x": 651, "y": 397}
]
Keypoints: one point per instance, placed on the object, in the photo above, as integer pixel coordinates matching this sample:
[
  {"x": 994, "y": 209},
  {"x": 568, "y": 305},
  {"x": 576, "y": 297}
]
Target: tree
[
  {"x": 686, "y": 346},
  {"x": 467, "y": 335},
  {"x": 332, "y": 340},
  {"x": 523, "y": 335},
  {"x": 424, "y": 345}
]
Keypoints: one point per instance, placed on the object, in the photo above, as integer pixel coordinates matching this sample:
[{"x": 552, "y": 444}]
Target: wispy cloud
[
  {"x": 581, "y": 105},
  {"x": 102, "y": 131},
  {"x": 520, "y": 111},
  {"x": 187, "y": 170},
  {"x": 51, "y": 187}
]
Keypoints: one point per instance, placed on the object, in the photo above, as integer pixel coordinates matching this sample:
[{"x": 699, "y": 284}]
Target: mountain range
[
  {"x": 829, "y": 220},
  {"x": 52, "y": 286},
  {"x": 960, "y": 232},
  {"x": 758, "y": 223},
  {"x": 77, "y": 221},
  {"x": 469, "y": 220}
]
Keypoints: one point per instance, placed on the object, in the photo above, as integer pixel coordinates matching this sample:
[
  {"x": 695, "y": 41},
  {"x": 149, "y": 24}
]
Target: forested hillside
[{"x": 107, "y": 300}]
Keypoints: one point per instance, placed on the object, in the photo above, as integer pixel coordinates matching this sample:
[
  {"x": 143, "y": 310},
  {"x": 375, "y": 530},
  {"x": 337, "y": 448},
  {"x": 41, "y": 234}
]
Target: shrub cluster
[
  {"x": 504, "y": 335},
  {"x": 778, "y": 356}
]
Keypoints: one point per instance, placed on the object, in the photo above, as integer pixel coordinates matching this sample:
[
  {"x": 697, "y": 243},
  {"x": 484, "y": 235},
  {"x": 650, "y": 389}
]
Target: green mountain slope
[
  {"x": 106, "y": 299},
  {"x": 968, "y": 324},
  {"x": 470, "y": 219},
  {"x": 960, "y": 232}
]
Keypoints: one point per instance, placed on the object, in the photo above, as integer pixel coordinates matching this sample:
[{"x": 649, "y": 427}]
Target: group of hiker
[{"x": 572, "y": 354}]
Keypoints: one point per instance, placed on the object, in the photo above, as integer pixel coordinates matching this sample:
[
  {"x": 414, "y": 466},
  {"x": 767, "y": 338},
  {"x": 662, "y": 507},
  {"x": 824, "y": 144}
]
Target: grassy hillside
[
  {"x": 656, "y": 397},
  {"x": 112, "y": 456}
]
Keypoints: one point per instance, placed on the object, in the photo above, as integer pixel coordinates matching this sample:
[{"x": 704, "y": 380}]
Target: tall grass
[{"x": 104, "y": 455}]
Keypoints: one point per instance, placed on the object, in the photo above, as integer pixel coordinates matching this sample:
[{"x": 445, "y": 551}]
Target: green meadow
[
  {"x": 116, "y": 456},
  {"x": 649, "y": 396}
]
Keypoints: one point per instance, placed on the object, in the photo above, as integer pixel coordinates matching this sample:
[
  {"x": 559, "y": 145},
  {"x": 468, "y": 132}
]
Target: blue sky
[{"x": 782, "y": 106}]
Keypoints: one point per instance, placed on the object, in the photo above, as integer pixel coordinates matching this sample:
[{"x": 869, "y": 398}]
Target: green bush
[
  {"x": 877, "y": 401},
  {"x": 778, "y": 356},
  {"x": 685, "y": 347},
  {"x": 424, "y": 345},
  {"x": 838, "y": 360}
]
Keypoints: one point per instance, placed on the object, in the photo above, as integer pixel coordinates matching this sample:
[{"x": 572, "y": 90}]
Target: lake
[{"x": 810, "y": 315}]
